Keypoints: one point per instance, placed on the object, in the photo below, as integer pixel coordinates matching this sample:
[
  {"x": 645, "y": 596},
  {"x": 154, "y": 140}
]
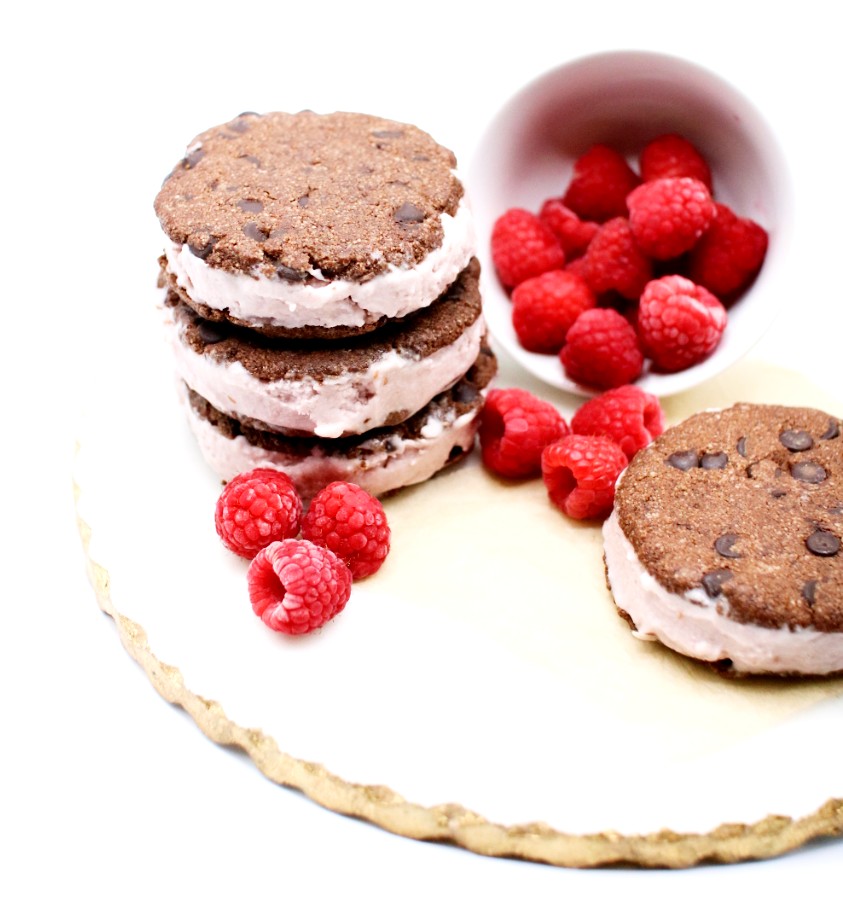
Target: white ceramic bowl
[{"x": 624, "y": 99}]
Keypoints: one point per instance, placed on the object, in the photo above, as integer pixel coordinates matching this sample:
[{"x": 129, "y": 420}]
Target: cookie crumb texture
[
  {"x": 287, "y": 194},
  {"x": 746, "y": 503}
]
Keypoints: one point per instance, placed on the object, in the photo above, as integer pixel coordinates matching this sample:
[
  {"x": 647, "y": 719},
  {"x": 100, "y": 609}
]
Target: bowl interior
[{"x": 624, "y": 99}]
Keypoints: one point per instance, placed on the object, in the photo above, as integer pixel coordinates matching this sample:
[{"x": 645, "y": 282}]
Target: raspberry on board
[
  {"x": 729, "y": 255},
  {"x": 544, "y": 307},
  {"x": 296, "y": 586},
  {"x": 580, "y": 473},
  {"x": 613, "y": 261},
  {"x": 351, "y": 523},
  {"x": 515, "y": 427},
  {"x": 601, "y": 350},
  {"x": 673, "y": 156},
  {"x": 599, "y": 185},
  {"x": 523, "y": 246},
  {"x": 667, "y": 216},
  {"x": 255, "y": 509},
  {"x": 679, "y": 322},
  {"x": 574, "y": 234},
  {"x": 628, "y": 415}
]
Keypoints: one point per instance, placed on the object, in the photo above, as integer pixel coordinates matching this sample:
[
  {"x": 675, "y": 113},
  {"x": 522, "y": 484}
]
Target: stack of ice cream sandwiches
[{"x": 322, "y": 299}]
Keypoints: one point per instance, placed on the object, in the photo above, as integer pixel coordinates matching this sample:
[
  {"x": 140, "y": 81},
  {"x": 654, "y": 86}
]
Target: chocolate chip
[
  {"x": 796, "y": 440},
  {"x": 465, "y": 392},
  {"x": 823, "y": 543},
  {"x": 204, "y": 252},
  {"x": 304, "y": 201},
  {"x": 809, "y": 591},
  {"x": 724, "y": 546},
  {"x": 239, "y": 126},
  {"x": 289, "y": 274},
  {"x": 778, "y": 493},
  {"x": 713, "y": 581},
  {"x": 407, "y": 213},
  {"x": 714, "y": 461},
  {"x": 250, "y": 206},
  {"x": 248, "y": 114},
  {"x": 740, "y": 447},
  {"x": 808, "y": 471},
  {"x": 211, "y": 331},
  {"x": 193, "y": 158},
  {"x": 253, "y": 159},
  {"x": 253, "y": 231},
  {"x": 388, "y": 134},
  {"x": 684, "y": 460},
  {"x": 832, "y": 431}
]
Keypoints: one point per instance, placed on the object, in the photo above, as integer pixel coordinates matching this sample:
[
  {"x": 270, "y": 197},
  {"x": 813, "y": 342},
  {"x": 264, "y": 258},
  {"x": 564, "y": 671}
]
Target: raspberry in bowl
[{"x": 599, "y": 149}]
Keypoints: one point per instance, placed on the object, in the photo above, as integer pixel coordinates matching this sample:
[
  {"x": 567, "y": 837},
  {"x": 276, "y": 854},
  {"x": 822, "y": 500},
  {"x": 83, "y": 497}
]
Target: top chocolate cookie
[{"x": 307, "y": 220}]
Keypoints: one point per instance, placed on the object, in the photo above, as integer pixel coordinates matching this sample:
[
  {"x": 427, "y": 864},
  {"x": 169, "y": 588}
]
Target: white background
[{"x": 111, "y": 799}]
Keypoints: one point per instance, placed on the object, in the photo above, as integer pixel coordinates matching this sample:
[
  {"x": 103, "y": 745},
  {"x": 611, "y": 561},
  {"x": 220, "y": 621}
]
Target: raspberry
[
  {"x": 296, "y": 586},
  {"x": 580, "y": 473},
  {"x": 515, "y": 427},
  {"x": 672, "y": 156},
  {"x": 255, "y": 509},
  {"x": 574, "y": 234},
  {"x": 600, "y": 184},
  {"x": 679, "y": 322},
  {"x": 614, "y": 262},
  {"x": 545, "y": 306},
  {"x": 627, "y": 415},
  {"x": 578, "y": 267},
  {"x": 729, "y": 254},
  {"x": 522, "y": 247},
  {"x": 352, "y": 524},
  {"x": 601, "y": 350},
  {"x": 668, "y": 215}
]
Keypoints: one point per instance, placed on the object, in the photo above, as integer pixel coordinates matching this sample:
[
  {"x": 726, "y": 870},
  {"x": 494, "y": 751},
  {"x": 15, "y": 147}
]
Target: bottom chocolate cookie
[
  {"x": 725, "y": 541},
  {"x": 380, "y": 461}
]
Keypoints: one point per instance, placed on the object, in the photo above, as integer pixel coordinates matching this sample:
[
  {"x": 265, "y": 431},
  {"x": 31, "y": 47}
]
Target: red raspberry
[
  {"x": 257, "y": 508},
  {"x": 668, "y": 215},
  {"x": 729, "y": 254},
  {"x": 296, "y": 586},
  {"x": 679, "y": 322},
  {"x": 627, "y": 415},
  {"x": 352, "y": 524},
  {"x": 515, "y": 427},
  {"x": 574, "y": 234},
  {"x": 601, "y": 350},
  {"x": 599, "y": 185},
  {"x": 578, "y": 267},
  {"x": 545, "y": 306},
  {"x": 614, "y": 262},
  {"x": 672, "y": 156},
  {"x": 580, "y": 473},
  {"x": 523, "y": 246}
]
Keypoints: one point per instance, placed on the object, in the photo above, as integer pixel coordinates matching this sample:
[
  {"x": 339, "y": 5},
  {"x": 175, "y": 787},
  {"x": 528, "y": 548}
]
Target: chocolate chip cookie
[
  {"x": 313, "y": 225},
  {"x": 725, "y": 541}
]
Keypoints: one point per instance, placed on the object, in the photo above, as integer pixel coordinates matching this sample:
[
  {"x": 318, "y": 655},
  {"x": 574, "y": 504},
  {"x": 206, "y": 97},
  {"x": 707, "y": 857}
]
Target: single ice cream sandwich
[
  {"x": 310, "y": 225},
  {"x": 725, "y": 541}
]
